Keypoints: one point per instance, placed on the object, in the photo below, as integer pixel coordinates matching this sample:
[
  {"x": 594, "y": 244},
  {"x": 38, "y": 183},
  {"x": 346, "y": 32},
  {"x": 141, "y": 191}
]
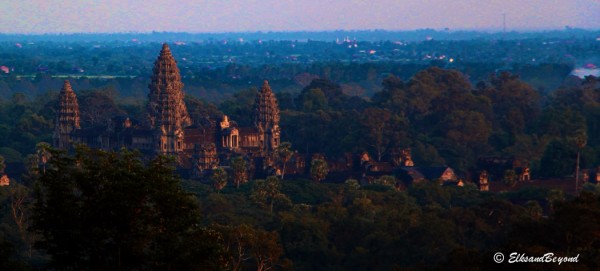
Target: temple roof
[
  {"x": 165, "y": 49},
  {"x": 265, "y": 87},
  {"x": 66, "y": 88}
]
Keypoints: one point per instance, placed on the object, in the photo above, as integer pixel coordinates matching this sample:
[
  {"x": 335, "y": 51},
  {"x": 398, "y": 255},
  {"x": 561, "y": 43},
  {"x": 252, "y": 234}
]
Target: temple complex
[{"x": 198, "y": 145}]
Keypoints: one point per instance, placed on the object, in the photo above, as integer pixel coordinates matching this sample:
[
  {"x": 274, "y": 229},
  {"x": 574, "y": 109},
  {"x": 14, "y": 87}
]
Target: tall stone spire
[
  {"x": 266, "y": 118},
  {"x": 166, "y": 108},
  {"x": 67, "y": 118},
  {"x": 266, "y": 110}
]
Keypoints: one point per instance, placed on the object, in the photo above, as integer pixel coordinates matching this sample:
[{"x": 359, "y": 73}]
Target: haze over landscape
[{"x": 74, "y": 16}]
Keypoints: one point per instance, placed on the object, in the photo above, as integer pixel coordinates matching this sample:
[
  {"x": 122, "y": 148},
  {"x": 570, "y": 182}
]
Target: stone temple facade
[{"x": 198, "y": 145}]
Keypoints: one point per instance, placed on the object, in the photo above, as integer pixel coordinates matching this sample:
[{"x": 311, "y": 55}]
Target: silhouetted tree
[{"x": 110, "y": 210}]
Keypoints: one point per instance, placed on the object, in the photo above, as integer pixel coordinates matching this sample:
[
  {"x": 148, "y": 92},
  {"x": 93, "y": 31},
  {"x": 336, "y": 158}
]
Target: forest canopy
[{"x": 451, "y": 104}]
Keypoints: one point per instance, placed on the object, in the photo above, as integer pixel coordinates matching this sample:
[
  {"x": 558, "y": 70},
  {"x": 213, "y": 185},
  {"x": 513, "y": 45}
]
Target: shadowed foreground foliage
[
  {"x": 107, "y": 210},
  {"x": 100, "y": 210}
]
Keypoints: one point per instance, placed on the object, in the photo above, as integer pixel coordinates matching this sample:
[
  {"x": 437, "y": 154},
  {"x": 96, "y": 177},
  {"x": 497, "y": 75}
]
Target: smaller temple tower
[
  {"x": 67, "y": 119},
  {"x": 266, "y": 119}
]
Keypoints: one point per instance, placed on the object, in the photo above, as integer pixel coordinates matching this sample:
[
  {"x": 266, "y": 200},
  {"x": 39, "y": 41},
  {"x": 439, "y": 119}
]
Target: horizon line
[{"x": 443, "y": 30}]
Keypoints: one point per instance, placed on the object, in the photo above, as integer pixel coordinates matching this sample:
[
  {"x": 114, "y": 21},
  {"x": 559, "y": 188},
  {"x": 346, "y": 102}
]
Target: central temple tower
[
  {"x": 67, "y": 119},
  {"x": 166, "y": 109}
]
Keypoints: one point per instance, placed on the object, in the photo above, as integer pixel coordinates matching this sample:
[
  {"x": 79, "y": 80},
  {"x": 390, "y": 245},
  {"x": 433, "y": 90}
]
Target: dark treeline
[{"x": 96, "y": 210}]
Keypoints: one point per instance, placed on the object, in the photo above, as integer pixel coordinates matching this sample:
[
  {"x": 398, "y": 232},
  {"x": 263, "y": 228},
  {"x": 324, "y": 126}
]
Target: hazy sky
[{"x": 43, "y": 16}]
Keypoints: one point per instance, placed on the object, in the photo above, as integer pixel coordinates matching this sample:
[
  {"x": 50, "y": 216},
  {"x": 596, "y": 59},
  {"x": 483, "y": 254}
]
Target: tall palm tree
[
  {"x": 43, "y": 154},
  {"x": 580, "y": 140}
]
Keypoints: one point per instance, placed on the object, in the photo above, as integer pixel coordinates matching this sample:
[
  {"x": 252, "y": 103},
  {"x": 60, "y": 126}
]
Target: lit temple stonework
[
  {"x": 171, "y": 131},
  {"x": 166, "y": 110},
  {"x": 67, "y": 119}
]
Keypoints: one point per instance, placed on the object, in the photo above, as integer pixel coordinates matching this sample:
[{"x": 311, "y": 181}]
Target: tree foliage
[
  {"x": 109, "y": 210},
  {"x": 267, "y": 192},
  {"x": 318, "y": 169},
  {"x": 239, "y": 171},
  {"x": 218, "y": 179},
  {"x": 283, "y": 154}
]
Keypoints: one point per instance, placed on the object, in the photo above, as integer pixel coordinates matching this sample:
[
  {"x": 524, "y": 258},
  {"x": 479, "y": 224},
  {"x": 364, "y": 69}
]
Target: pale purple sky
[{"x": 66, "y": 16}]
